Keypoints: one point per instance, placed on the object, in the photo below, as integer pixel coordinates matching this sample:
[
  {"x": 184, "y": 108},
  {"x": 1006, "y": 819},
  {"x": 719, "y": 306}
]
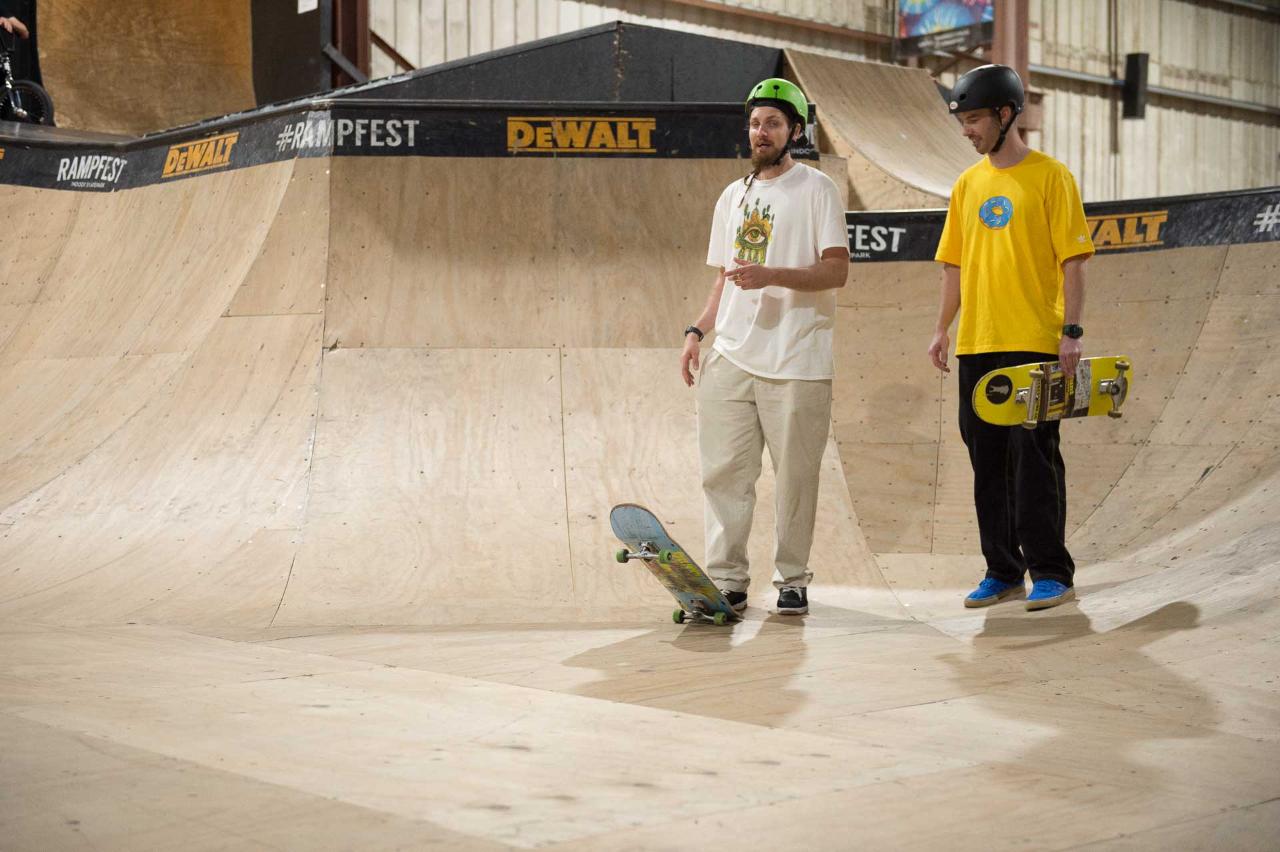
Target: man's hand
[
  {"x": 749, "y": 276},
  {"x": 13, "y": 25},
  {"x": 690, "y": 357},
  {"x": 938, "y": 351},
  {"x": 1069, "y": 351}
]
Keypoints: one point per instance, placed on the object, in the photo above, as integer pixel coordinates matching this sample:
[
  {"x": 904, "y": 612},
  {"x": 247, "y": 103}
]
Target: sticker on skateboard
[
  {"x": 646, "y": 540},
  {"x": 1030, "y": 394}
]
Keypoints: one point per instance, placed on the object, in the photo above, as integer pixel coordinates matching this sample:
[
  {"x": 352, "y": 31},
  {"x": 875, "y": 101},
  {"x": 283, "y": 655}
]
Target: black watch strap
[
  {"x": 1073, "y": 331},
  {"x": 694, "y": 329}
]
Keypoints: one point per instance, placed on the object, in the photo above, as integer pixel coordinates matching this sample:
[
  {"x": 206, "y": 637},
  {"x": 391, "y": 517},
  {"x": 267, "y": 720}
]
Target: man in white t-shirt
[{"x": 779, "y": 242}]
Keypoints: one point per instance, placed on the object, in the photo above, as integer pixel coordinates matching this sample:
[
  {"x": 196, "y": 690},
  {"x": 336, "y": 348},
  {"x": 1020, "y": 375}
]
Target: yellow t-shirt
[{"x": 1009, "y": 231}]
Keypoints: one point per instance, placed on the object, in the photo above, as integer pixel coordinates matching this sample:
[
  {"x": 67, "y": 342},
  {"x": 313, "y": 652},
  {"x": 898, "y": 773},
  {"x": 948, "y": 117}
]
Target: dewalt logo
[
  {"x": 1128, "y": 231},
  {"x": 535, "y": 134},
  {"x": 205, "y": 155}
]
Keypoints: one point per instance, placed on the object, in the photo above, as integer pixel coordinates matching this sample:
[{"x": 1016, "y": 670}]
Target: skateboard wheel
[
  {"x": 621, "y": 555},
  {"x": 720, "y": 618},
  {"x": 678, "y": 616},
  {"x": 664, "y": 557}
]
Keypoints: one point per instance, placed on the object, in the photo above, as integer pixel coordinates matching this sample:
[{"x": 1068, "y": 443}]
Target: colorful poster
[{"x": 925, "y": 17}]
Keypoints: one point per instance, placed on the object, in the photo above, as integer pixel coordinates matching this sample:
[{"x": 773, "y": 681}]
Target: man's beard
[{"x": 763, "y": 157}]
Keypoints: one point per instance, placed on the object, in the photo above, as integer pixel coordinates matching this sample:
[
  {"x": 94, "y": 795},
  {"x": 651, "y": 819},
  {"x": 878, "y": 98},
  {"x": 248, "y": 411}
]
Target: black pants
[{"x": 1019, "y": 483}]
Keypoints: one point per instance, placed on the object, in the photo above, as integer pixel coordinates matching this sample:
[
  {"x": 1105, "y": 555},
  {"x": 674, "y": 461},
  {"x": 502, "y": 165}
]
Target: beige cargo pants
[{"x": 739, "y": 414}]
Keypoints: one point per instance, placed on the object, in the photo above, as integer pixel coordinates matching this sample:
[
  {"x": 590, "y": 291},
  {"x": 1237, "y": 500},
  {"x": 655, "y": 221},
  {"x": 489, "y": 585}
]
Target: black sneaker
[
  {"x": 793, "y": 601},
  {"x": 737, "y": 600}
]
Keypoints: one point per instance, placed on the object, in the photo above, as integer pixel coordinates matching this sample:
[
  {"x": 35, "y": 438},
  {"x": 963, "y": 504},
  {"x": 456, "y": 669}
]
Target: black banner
[
  {"x": 1250, "y": 216},
  {"x": 959, "y": 40},
  {"x": 382, "y": 128}
]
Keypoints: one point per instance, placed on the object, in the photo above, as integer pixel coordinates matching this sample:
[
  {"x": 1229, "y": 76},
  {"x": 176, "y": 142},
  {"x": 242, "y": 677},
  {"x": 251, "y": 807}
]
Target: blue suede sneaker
[
  {"x": 992, "y": 591},
  {"x": 1047, "y": 593}
]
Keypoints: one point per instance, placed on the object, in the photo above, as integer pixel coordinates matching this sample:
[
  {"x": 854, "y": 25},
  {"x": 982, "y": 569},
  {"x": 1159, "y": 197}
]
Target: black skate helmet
[{"x": 989, "y": 87}]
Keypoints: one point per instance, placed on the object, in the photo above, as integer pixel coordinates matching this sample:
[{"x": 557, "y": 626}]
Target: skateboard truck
[
  {"x": 1031, "y": 397},
  {"x": 646, "y": 551},
  {"x": 1117, "y": 388}
]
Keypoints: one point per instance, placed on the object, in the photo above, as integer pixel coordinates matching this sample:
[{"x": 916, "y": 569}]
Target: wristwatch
[
  {"x": 1075, "y": 332},
  {"x": 694, "y": 329}
]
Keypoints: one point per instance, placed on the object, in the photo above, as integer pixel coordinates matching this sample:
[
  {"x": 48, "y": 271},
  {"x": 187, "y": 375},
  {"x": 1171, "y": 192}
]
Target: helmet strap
[
  {"x": 786, "y": 146},
  {"x": 1004, "y": 130}
]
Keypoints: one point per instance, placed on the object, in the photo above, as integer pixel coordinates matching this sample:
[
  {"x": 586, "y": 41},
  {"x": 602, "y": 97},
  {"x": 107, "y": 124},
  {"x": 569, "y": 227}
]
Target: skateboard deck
[
  {"x": 647, "y": 541},
  {"x": 1029, "y": 394}
]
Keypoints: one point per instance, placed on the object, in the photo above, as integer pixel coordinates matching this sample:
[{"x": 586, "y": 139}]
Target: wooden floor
[{"x": 304, "y": 540}]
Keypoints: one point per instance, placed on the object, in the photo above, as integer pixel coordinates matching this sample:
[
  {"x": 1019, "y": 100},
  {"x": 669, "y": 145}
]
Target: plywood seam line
[
  {"x": 300, "y": 529},
  {"x": 1173, "y": 392},
  {"x": 264, "y": 316},
  {"x": 937, "y": 463},
  {"x": 319, "y": 388},
  {"x": 73, "y": 579},
  {"x": 1217, "y": 464},
  {"x": 564, "y": 480},
  {"x": 832, "y": 440},
  {"x": 285, "y": 590},
  {"x": 262, "y": 248}
]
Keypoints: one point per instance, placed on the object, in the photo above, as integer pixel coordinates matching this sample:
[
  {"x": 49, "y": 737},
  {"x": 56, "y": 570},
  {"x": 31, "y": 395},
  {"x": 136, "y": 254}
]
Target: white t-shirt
[{"x": 777, "y": 332}]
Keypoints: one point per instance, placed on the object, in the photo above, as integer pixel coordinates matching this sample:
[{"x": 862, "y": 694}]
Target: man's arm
[
  {"x": 829, "y": 273},
  {"x": 1070, "y": 349},
  {"x": 948, "y": 306},
  {"x": 706, "y": 323}
]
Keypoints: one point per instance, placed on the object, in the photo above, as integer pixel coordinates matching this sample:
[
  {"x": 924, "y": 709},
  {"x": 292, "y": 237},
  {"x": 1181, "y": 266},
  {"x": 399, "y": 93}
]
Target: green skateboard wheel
[
  {"x": 664, "y": 557},
  {"x": 678, "y": 616},
  {"x": 621, "y": 555},
  {"x": 721, "y": 618}
]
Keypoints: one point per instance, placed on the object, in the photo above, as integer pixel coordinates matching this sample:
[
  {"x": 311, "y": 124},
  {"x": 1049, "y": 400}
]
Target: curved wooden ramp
[
  {"x": 902, "y": 147},
  {"x": 304, "y": 539}
]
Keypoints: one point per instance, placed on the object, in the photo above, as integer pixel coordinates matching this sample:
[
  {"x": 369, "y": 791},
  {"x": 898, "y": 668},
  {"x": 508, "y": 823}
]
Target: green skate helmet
[
  {"x": 787, "y": 97},
  {"x": 783, "y": 94}
]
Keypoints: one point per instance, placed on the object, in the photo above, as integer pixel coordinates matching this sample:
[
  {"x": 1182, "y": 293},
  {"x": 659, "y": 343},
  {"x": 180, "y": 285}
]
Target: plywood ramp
[
  {"x": 303, "y": 517},
  {"x": 485, "y": 379},
  {"x": 155, "y": 65},
  {"x": 903, "y": 148}
]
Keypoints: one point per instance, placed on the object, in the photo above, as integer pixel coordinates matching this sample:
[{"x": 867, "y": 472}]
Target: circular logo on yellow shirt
[{"x": 996, "y": 212}]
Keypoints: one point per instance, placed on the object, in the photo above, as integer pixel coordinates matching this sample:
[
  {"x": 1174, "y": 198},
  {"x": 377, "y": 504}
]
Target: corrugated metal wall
[
  {"x": 427, "y": 32},
  {"x": 1179, "y": 147}
]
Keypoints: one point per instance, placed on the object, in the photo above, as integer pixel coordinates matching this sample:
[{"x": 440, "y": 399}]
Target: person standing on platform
[
  {"x": 1013, "y": 251},
  {"x": 780, "y": 248},
  {"x": 18, "y": 17}
]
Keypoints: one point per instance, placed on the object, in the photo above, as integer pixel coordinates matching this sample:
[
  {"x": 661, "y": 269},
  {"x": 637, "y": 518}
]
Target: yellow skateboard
[{"x": 1029, "y": 394}]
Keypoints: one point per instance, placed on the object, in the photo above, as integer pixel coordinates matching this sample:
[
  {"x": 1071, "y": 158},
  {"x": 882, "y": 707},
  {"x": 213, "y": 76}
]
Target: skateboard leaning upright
[
  {"x": 1030, "y": 394},
  {"x": 646, "y": 540}
]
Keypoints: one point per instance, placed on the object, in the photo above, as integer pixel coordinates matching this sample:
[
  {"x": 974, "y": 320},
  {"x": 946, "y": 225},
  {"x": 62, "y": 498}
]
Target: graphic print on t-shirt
[
  {"x": 751, "y": 243},
  {"x": 996, "y": 212}
]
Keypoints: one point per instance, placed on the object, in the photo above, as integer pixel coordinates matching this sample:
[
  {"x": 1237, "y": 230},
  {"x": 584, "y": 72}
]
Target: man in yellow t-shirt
[{"x": 1013, "y": 252}]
